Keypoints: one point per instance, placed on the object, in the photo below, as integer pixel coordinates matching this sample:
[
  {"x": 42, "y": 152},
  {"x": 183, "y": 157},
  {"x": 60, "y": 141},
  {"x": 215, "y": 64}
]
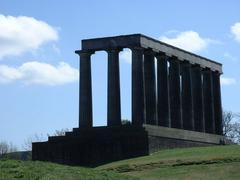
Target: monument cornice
[{"x": 139, "y": 40}]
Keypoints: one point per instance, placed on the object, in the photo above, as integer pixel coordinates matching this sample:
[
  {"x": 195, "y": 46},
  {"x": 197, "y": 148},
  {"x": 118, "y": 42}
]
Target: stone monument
[{"x": 177, "y": 106}]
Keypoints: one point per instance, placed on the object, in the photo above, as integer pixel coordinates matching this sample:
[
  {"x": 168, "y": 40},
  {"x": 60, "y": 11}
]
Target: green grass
[
  {"x": 28, "y": 170},
  {"x": 216, "y": 162},
  {"x": 216, "y": 171}
]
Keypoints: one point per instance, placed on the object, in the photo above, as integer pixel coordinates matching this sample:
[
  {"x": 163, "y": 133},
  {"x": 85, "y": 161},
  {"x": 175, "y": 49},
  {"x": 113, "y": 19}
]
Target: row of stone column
[
  {"x": 188, "y": 96},
  {"x": 184, "y": 96},
  {"x": 113, "y": 94}
]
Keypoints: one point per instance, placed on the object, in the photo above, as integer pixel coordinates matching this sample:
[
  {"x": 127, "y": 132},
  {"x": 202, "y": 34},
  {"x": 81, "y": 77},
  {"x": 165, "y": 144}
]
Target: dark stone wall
[
  {"x": 95, "y": 146},
  {"x": 92, "y": 147}
]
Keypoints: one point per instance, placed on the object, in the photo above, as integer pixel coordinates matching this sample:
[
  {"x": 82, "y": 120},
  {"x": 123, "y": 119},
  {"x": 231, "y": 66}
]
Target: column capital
[
  {"x": 206, "y": 70},
  {"x": 174, "y": 58},
  {"x": 137, "y": 48},
  {"x": 149, "y": 52},
  {"x": 185, "y": 63},
  {"x": 196, "y": 66},
  {"x": 84, "y": 52},
  {"x": 161, "y": 55},
  {"x": 114, "y": 50},
  {"x": 217, "y": 73}
]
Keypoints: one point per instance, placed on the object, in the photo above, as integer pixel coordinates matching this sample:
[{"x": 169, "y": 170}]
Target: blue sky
[{"x": 39, "y": 70}]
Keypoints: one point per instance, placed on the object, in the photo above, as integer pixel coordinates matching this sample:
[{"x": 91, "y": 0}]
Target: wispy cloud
[
  {"x": 21, "y": 34},
  {"x": 188, "y": 40},
  {"x": 230, "y": 57},
  {"x": 35, "y": 72},
  {"x": 235, "y": 30},
  {"x": 56, "y": 49},
  {"x": 228, "y": 81}
]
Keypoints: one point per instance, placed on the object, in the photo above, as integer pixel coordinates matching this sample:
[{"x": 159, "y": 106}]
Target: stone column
[
  {"x": 217, "y": 103},
  {"x": 113, "y": 97},
  {"x": 187, "y": 99},
  {"x": 163, "y": 105},
  {"x": 175, "y": 93},
  {"x": 138, "y": 115},
  {"x": 150, "y": 87},
  {"x": 197, "y": 92},
  {"x": 208, "y": 101},
  {"x": 85, "y": 101}
]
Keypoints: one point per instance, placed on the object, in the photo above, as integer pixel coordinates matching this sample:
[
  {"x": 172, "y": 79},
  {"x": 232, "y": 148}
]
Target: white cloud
[
  {"x": 188, "y": 40},
  {"x": 21, "y": 34},
  {"x": 126, "y": 55},
  {"x": 228, "y": 81},
  {"x": 235, "y": 30},
  {"x": 39, "y": 73},
  {"x": 8, "y": 74}
]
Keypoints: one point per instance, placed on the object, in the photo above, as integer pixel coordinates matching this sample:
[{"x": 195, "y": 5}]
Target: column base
[{"x": 95, "y": 146}]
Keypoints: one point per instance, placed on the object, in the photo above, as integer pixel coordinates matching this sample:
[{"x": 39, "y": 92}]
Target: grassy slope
[
  {"x": 217, "y": 162},
  {"x": 28, "y": 170}
]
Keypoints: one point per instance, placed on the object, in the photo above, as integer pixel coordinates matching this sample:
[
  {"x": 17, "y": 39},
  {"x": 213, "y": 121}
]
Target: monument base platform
[{"x": 99, "y": 145}]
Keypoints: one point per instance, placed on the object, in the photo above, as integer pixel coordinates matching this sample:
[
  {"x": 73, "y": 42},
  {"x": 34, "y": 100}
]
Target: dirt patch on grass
[{"x": 161, "y": 164}]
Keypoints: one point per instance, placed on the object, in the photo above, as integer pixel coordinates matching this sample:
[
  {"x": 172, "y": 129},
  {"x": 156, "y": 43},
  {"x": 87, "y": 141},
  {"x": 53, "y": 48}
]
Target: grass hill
[
  {"x": 216, "y": 162},
  {"x": 35, "y": 170}
]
